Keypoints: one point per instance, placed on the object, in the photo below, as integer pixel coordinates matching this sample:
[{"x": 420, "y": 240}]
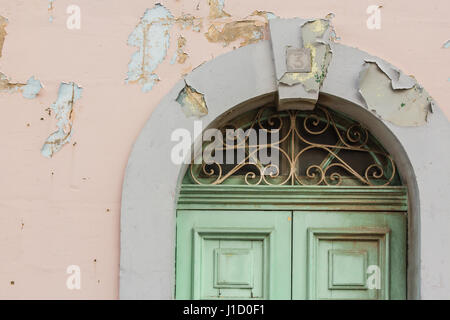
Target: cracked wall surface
[{"x": 65, "y": 210}]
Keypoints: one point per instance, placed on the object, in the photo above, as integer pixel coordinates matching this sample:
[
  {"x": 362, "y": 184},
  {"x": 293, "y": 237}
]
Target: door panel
[
  {"x": 349, "y": 255},
  {"x": 233, "y": 254}
]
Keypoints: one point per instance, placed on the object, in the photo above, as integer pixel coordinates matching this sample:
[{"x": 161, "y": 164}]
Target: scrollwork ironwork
[{"x": 303, "y": 136}]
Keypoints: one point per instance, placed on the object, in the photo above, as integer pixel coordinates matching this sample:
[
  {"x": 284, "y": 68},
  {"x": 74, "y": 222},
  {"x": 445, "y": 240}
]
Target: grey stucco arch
[{"x": 247, "y": 75}]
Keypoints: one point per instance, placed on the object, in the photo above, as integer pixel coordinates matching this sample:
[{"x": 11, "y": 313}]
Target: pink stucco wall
[{"x": 66, "y": 210}]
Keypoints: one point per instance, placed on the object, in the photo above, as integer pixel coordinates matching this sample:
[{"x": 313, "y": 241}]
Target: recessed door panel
[
  {"x": 233, "y": 255},
  {"x": 349, "y": 255}
]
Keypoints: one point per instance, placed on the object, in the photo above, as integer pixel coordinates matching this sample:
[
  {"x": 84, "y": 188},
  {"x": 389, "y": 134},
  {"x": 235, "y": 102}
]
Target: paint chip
[
  {"x": 68, "y": 93},
  {"x": 192, "y": 102},
  {"x": 32, "y": 88}
]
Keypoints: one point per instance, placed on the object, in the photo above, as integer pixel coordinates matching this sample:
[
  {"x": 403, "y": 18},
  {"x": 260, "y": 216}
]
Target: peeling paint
[
  {"x": 192, "y": 102},
  {"x": 405, "y": 103},
  {"x": 50, "y": 5},
  {"x": 50, "y": 9},
  {"x": 180, "y": 56},
  {"x": 446, "y": 45},
  {"x": 68, "y": 93},
  {"x": 32, "y": 88},
  {"x": 316, "y": 35},
  {"x": 7, "y": 86},
  {"x": 188, "y": 20},
  {"x": 398, "y": 79},
  {"x": 29, "y": 90},
  {"x": 216, "y": 9},
  {"x": 3, "y": 23},
  {"x": 249, "y": 31},
  {"x": 152, "y": 38},
  {"x": 333, "y": 35},
  {"x": 265, "y": 14}
]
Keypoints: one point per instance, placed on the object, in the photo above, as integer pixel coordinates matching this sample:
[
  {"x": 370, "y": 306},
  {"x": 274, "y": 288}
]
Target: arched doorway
[
  {"x": 291, "y": 205},
  {"x": 240, "y": 81}
]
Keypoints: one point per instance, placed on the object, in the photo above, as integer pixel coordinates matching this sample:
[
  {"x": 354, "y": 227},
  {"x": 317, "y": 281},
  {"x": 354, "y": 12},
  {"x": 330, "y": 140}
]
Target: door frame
[{"x": 295, "y": 198}]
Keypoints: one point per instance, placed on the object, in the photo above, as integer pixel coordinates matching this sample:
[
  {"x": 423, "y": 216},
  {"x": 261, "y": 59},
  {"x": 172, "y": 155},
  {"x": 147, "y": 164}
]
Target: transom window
[{"x": 319, "y": 147}]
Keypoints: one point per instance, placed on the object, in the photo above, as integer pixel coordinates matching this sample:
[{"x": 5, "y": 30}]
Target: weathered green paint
[
  {"x": 346, "y": 244},
  {"x": 235, "y": 242},
  {"x": 293, "y": 198},
  {"x": 233, "y": 255}
]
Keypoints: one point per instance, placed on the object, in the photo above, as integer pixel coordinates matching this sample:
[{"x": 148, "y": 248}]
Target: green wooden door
[
  {"x": 349, "y": 255},
  {"x": 233, "y": 254},
  {"x": 250, "y": 254}
]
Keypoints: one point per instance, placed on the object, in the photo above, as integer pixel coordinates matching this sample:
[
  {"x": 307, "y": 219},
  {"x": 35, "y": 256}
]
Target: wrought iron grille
[{"x": 319, "y": 147}]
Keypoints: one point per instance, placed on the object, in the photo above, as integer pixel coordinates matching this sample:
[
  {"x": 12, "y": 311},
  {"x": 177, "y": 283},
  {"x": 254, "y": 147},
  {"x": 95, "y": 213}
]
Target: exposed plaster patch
[
  {"x": 216, "y": 9},
  {"x": 265, "y": 14},
  {"x": 316, "y": 35},
  {"x": 32, "y": 88},
  {"x": 3, "y": 23},
  {"x": 7, "y": 86},
  {"x": 249, "y": 31},
  {"x": 29, "y": 90},
  {"x": 152, "y": 38},
  {"x": 188, "y": 20},
  {"x": 192, "y": 102},
  {"x": 68, "y": 93},
  {"x": 403, "y": 104},
  {"x": 50, "y": 9},
  {"x": 180, "y": 56},
  {"x": 50, "y": 5}
]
